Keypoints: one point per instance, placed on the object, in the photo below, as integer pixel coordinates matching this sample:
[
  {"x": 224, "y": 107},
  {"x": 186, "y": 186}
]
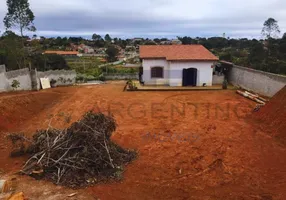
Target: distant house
[
  {"x": 137, "y": 39},
  {"x": 86, "y": 49},
  {"x": 165, "y": 42},
  {"x": 100, "y": 52},
  {"x": 130, "y": 48},
  {"x": 176, "y": 41},
  {"x": 177, "y": 65},
  {"x": 121, "y": 57},
  {"x": 73, "y": 47},
  {"x": 63, "y": 53}
]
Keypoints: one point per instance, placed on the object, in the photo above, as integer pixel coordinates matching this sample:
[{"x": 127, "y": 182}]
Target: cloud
[{"x": 154, "y": 18}]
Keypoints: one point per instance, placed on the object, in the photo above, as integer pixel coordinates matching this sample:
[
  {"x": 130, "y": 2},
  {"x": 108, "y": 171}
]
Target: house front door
[{"x": 190, "y": 77}]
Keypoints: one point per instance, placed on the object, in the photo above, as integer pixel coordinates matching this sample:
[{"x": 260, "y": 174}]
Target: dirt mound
[
  {"x": 80, "y": 155},
  {"x": 273, "y": 116},
  {"x": 16, "y": 109}
]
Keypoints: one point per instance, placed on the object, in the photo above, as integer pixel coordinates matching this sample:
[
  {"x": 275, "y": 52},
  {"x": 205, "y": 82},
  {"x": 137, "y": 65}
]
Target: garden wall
[
  {"x": 62, "y": 77},
  {"x": 22, "y": 76},
  {"x": 3, "y": 79},
  {"x": 264, "y": 83},
  {"x": 31, "y": 79}
]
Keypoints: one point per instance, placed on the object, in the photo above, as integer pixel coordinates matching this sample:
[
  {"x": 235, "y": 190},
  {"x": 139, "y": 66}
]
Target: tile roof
[
  {"x": 177, "y": 52},
  {"x": 62, "y": 52}
]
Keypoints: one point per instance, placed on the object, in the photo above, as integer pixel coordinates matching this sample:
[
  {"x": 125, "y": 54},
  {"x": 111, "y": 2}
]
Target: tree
[
  {"x": 185, "y": 40},
  {"x": 75, "y": 40},
  {"x": 19, "y": 15},
  {"x": 157, "y": 40},
  {"x": 150, "y": 42},
  {"x": 98, "y": 41},
  {"x": 107, "y": 38},
  {"x": 270, "y": 28},
  {"x": 45, "y": 62},
  {"x": 115, "y": 40},
  {"x": 226, "y": 56},
  {"x": 96, "y": 37},
  {"x": 256, "y": 55},
  {"x": 112, "y": 53},
  {"x": 12, "y": 51}
]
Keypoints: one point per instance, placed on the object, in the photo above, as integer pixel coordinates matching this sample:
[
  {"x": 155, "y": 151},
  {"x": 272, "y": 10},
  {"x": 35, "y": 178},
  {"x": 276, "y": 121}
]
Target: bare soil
[
  {"x": 273, "y": 116},
  {"x": 201, "y": 145}
]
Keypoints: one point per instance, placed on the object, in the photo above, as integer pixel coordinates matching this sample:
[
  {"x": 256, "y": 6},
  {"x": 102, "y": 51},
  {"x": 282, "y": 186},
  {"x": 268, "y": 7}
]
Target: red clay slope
[
  {"x": 16, "y": 109},
  {"x": 273, "y": 116}
]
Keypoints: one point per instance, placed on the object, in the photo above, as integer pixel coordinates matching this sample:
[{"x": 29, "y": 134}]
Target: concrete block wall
[
  {"x": 3, "y": 79},
  {"x": 30, "y": 80},
  {"x": 264, "y": 83},
  {"x": 21, "y": 75},
  {"x": 2, "y": 69},
  {"x": 63, "y": 77},
  {"x": 7, "y": 78}
]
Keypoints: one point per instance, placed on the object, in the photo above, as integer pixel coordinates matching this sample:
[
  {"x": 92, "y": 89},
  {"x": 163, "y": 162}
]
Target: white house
[{"x": 177, "y": 65}]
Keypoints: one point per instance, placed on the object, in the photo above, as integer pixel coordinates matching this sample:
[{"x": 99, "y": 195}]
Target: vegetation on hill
[{"x": 268, "y": 54}]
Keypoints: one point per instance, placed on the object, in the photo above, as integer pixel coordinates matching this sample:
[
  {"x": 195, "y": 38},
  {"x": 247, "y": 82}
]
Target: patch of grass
[{"x": 84, "y": 65}]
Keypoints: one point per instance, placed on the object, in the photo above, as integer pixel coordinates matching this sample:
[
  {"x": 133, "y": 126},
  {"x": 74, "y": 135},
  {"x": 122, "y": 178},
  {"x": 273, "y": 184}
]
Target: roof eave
[
  {"x": 152, "y": 57},
  {"x": 179, "y": 59}
]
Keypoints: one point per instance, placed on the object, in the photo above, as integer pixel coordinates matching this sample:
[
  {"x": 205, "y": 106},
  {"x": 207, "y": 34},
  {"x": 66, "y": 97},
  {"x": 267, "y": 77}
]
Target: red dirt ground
[
  {"x": 273, "y": 116},
  {"x": 200, "y": 145}
]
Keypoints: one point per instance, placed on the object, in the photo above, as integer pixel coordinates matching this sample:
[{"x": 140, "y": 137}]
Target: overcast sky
[{"x": 153, "y": 18}]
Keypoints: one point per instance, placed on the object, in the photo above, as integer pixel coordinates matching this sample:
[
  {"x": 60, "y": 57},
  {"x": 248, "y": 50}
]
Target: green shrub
[
  {"x": 102, "y": 78},
  {"x": 15, "y": 84},
  {"x": 62, "y": 80},
  {"x": 80, "y": 78},
  {"x": 53, "y": 82},
  {"x": 84, "y": 78}
]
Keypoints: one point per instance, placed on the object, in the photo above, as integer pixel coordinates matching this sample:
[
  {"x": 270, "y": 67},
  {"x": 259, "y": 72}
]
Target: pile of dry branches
[{"x": 80, "y": 155}]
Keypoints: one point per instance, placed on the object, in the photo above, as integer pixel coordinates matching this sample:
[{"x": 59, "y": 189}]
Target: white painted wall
[
  {"x": 218, "y": 79},
  {"x": 4, "y": 86},
  {"x": 148, "y": 64},
  {"x": 173, "y": 72},
  {"x": 205, "y": 72},
  {"x": 63, "y": 77}
]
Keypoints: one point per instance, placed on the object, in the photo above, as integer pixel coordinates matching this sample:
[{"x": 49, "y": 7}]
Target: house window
[{"x": 157, "y": 72}]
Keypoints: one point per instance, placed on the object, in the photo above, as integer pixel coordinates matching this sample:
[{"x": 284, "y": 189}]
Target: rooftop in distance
[{"x": 62, "y": 52}]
